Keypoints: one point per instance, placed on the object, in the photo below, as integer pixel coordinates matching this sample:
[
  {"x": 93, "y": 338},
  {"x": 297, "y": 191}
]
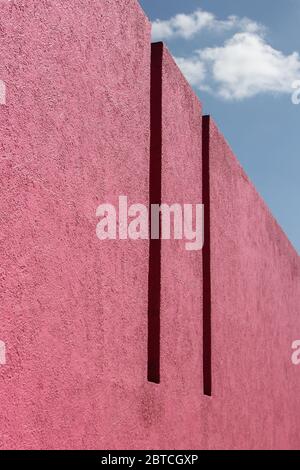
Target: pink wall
[
  {"x": 75, "y": 133},
  {"x": 175, "y": 401},
  {"x": 255, "y": 314}
]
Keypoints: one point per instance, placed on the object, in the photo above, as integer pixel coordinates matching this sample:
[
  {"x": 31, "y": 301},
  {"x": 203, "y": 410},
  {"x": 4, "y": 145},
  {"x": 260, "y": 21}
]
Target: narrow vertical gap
[
  {"x": 154, "y": 284},
  {"x": 207, "y": 342}
]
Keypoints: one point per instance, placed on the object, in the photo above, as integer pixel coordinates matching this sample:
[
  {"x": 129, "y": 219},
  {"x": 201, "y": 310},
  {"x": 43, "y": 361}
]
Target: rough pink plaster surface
[
  {"x": 74, "y": 133},
  {"x": 176, "y": 401},
  {"x": 181, "y": 271},
  {"x": 255, "y": 315}
]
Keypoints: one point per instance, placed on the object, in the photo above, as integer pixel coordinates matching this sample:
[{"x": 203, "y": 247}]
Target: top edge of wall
[
  {"x": 168, "y": 58},
  {"x": 214, "y": 130}
]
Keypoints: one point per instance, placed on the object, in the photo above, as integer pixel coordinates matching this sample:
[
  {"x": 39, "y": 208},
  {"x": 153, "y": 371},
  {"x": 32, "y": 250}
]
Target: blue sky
[{"x": 243, "y": 68}]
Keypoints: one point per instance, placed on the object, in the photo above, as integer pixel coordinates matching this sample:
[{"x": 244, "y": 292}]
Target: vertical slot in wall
[
  {"x": 206, "y": 256},
  {"x": 154, "y": 286}
]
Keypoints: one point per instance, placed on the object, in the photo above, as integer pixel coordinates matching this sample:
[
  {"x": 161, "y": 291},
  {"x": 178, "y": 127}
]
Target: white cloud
[
  {"x": 188, "y": 25},
  {"x": 182, "y": 25},
  {"x": 193, "y": 69},
  {"x": 244, "y": 66}
]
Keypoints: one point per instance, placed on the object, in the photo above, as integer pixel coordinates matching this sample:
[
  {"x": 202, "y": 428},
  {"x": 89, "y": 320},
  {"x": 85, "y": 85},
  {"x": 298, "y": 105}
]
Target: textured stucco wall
[
  {"x": 177, "y": 398},
  {"x": 74, "y": 133},
  {"x": 255, "y": 314}
]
